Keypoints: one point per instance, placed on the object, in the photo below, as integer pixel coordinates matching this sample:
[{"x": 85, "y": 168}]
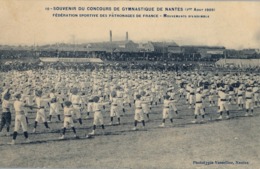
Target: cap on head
[
  {"x": 18, "y": 95},
  {"x": 38, "y": 93},
  {"x": 67, "y": 103},
  {"x": 95, "y": 99},
  {"x": 138, "y": 96},
  {"x": 7, "y": 96},
  {"x": 167, "y": 97},
  {"x": 113, "y": 94},
  {"x": 142, "y": 93},
  {"x": 74, "y": 90},
  {"x": 118, "y": 87}
]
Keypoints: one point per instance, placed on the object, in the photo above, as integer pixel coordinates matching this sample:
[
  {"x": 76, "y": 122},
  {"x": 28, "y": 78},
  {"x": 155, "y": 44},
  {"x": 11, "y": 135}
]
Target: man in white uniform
[
  {"x": 256, "y": 94},
  {"x": 76, "y": 103},
  {"x": 54, "y": 106},
  {"x": 249, "y": 101},
  {"x": 192, "y": 96},
  {"x": 19, "y": 119},
  {"x": 240, "y": 100},
  {"x": 139, "y": 114},
  {"x": 98, "y": 117},
  {"x": 68, "y": 112},
  {"x": 223, "y": 105},
  {"x": 40, "y": 114},
  {"x": 114, "y": 111},
  {"x": 166, "y": 110},
  {"x": 199, "y": 110},
  {"x": 145, "y": 104}
]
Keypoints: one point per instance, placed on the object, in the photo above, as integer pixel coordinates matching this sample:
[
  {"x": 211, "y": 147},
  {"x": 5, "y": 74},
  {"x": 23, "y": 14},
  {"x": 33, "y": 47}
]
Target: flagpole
[{"x": 225, "y": 58}]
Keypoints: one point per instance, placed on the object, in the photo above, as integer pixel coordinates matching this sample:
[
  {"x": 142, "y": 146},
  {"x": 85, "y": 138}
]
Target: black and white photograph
[{"x": 129, "y": 84}]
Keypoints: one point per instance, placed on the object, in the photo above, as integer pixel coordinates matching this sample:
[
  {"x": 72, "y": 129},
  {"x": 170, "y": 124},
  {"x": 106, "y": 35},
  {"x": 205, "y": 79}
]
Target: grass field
[{"x": 176, "y": 146}]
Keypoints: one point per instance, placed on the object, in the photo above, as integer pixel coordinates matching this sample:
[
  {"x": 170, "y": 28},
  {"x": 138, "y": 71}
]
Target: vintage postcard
[{"x": 129, "y": 84}]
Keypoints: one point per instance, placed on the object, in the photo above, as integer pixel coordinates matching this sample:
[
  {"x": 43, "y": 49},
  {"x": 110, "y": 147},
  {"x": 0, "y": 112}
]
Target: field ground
[{"x": 177, "y": 146}]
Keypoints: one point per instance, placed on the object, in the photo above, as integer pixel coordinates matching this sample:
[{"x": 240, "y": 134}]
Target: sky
[{"x": 234, "y": 24}]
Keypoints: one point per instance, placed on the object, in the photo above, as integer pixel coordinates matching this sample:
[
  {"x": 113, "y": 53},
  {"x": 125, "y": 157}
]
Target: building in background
[{"x": 160, "y": 47}]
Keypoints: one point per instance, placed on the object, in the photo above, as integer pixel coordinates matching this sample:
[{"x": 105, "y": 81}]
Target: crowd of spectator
[
  {"x": 23, "y": 66},
  {"x": 16, "y": 54},
  {"x": 29, "y": 59}
]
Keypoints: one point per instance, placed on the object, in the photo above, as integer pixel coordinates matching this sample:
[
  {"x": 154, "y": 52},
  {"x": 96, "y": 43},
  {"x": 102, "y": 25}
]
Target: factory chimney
[
  {"x": 110, "y": 36},
  {"x": 126, "y": 36}
]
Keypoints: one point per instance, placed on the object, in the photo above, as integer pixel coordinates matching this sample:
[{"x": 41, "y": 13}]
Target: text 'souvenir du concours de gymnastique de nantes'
[{"x": 129, "y": 12}]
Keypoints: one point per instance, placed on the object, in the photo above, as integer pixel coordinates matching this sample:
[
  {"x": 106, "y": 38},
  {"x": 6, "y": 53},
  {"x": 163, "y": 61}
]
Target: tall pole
[
  {"x": 34, "y": 45},
  {"x": 57, "y": 47},
  {"x": 110, "y": 40},
  {"x": 74, "y": 45},
  {"x": 163, "y": 49},
  {"x": 225, "y": 57}
]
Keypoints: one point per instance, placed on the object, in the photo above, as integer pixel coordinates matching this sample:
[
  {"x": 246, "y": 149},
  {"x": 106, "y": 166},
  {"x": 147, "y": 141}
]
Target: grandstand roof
[
  {"x": 206, "y": 47},
  {"x": 164, "y": 44},
  {"x": 73, "y": 60}
]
